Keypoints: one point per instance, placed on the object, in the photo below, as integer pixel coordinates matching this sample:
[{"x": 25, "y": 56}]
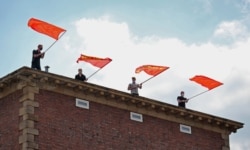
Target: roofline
[{"x": 145, "y": 105}]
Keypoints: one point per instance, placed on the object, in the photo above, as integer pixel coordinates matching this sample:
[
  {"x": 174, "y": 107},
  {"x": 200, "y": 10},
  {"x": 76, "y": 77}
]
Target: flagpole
[
  {"x": 94, "y": 73},
  {"x": 198, "y": 94},
  {"x": 147, "y": 79},
  {"x": 151, "y": 74},
  {"x": 54, "y": 42},
  {"x": 151, "y": 77},
  {"x": 97, "y": 70}
]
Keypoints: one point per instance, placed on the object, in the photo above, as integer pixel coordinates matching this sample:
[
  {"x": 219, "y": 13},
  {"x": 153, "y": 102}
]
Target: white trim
[
  {"x": 82, "y": 103},
  {"x": 136, "y": 117},
  {"x": 185, "y": 129}
]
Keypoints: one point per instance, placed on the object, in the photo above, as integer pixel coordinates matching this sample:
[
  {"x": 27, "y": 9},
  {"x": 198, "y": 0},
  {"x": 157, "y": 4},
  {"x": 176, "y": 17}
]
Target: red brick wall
[
  {"x": 62, "y": 125},
  {"x": 9, "y": 121}
]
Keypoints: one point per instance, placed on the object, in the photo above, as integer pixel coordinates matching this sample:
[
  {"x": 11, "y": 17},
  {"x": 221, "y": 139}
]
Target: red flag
[
  {"x": 95, "y": 61},
  {"x": 206, "y": 81},
  {"x": 45, "y": 28},
  {"x": 151, "y": 69}
]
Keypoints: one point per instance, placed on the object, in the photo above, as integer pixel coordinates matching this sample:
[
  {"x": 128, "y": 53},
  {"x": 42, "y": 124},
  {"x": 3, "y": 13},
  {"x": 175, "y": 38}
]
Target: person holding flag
[
  {"x": 133, "y": 87},
  {"x": 36, "y": 56},
  {"x": 182, "y": 100},
  {"x": 46, "y": 29},
  {"x": 95, "y": 61}
]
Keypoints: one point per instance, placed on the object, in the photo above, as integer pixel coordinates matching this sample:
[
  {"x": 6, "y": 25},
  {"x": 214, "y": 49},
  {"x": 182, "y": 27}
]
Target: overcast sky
[{"x": 194, "y": 37}]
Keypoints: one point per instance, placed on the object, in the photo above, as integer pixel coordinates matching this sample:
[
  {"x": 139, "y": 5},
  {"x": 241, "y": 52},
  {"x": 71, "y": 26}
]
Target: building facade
[{"x": 42, "y": 110}]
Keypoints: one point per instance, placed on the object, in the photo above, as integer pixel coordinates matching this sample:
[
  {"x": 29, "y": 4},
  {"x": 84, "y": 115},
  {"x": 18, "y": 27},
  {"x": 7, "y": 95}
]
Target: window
[
  {"x": 185, "y": 129},
  {"x": 82, "y": 103},
  {"x": 136, "y": 117}
]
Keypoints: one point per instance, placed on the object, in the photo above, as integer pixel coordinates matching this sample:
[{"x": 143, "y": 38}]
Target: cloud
[
  {"x": 240, "y": 145},
  {"x": 231, "y": 30},
  {"x": 101, "y": 34},
  {"x": 102, "y": 37}
]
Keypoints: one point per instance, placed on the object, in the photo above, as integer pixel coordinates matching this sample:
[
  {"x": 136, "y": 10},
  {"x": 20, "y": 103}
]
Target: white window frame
[
  {"x": 185, "y": 129},
  {"x": 78, "y": 101},
  {"x": 136, "y": 117}
]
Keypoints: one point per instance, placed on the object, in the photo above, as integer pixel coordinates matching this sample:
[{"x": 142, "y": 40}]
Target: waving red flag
[
  {"x": 151, "y": 69},
  {"x": 45, "y": 28},
  {"x": 206, "y": 81},
  {"x": 95, "y": 61}
]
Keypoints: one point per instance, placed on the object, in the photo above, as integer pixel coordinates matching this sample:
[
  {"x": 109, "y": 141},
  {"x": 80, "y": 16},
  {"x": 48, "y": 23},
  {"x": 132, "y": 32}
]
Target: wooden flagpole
[
  {"x": 97, "y": 70},
  {"x": 54, "y": 42},
  {"x": 198, "y": 94},
  {"x": 147, "y": 79},
  {"x": 151, "y": 78}
]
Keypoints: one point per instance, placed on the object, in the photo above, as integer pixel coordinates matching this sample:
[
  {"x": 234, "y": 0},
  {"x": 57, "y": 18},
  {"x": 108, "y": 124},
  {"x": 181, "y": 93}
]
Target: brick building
[{"x": 42, "y": 110}]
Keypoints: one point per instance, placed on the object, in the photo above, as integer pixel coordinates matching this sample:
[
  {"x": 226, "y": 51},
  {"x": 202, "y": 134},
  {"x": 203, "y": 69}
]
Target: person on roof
[
  {"x": 36, "y": 56},
  {"x": 133, "y": 87},
  {"x": 182, "y": 100}
]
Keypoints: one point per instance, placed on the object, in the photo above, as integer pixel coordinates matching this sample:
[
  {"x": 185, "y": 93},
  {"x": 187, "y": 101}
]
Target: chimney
[{"x": 46, "y": 68}]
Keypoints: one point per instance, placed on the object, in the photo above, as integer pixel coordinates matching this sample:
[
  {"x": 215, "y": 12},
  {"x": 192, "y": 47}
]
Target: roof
[{"x": 115, "y": 98}]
